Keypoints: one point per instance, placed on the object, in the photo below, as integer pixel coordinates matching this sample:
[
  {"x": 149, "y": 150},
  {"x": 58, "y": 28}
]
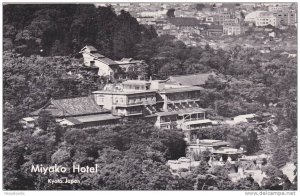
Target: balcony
[
  {"x": 182, "y": 100},
  {"x": 143, "y": 102}
]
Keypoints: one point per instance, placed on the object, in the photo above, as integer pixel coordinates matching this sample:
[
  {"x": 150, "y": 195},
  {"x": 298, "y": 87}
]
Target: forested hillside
[{"x": 65, "y": 29}]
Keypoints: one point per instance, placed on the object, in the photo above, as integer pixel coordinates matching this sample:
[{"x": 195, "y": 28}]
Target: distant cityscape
[{"x": 215, "y": 23}]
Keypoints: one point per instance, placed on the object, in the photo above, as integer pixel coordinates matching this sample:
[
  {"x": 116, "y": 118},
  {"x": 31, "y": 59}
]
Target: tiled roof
[
  {"x": 93, "y": 52},
  {"x": 112, "y": 92},
  {"x": 91, "y": 48},
  {"x": 88, "y": 49},
  {"x": 181, "y": 89},
  {"x": 96, "y": 118},
  {"x": 191, "y": 80},
  {"x": 78, "y": 106},
  {"x": 97, "y": 55},
  {"x": 107, "y": 61},
  {"x": 73, "y": 120},
  {"x": 72, "y": 107},
  {"x": 209, "y": 142}
]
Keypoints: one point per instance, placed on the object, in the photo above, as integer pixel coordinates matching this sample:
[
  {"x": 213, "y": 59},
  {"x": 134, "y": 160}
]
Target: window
[{"x": 92, "y": 63}]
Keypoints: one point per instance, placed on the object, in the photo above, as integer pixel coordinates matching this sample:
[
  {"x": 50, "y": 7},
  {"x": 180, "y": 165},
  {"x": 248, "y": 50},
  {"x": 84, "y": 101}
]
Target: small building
[
  {"x": 220, "y": 150},
  {"x": 213, "y": 30},
  {"x": 233, "y": 27},
  {"x": 92, "y": 58},
  {"x": 28, "y": 122},
  {"x": 107, "y": 67},
  {"x": 240, "y": 119}
]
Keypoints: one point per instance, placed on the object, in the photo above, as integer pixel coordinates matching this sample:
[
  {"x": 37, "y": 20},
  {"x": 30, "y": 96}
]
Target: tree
[
  {"x": 247, "y": 183},
  {"x": 171, "y": 13},
  {"x": 244, "y": 135},
  {"x": 45, "y": 120},
  {"x": 200, "y": 6}
]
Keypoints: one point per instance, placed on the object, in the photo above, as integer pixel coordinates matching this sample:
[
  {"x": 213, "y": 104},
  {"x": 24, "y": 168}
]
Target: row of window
[{"x": 141, "y": 99}]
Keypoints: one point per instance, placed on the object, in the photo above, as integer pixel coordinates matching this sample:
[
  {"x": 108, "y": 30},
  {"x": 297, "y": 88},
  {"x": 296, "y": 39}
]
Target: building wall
[
  {"x": 232, "y": 30},
  {"x": 87, "y": 58},
  {"x": 127, "y": 111},
  {"x": 105, "y": 100},
  {"x": 104, "y": 69},
  {"x": 264, "y": 21},
  {"x": 108, "y": 100},
  {"x": 180, "y": 96},
  {"x": 286, "y": 17}
]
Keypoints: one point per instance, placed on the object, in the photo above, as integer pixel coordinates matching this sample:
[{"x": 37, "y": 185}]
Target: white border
[{"x": 125, "y": 193}]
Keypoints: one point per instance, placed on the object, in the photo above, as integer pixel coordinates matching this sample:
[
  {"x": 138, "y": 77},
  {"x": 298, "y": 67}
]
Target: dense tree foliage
[
  {"x": 64, "y": 29},
  {"x": 129, "y": 156}
]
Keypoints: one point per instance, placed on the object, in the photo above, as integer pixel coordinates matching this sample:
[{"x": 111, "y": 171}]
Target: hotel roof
[
  {"x": 112, "y": 92},
  {"x": 209, "y": 142},
  {"x": 181, "y": 112},
  {"x": 96, "y": 118},
  {"x": 72, "y": 107},
  {"x": 181, "y": 89},
  {"x": 191, "y": 80}
]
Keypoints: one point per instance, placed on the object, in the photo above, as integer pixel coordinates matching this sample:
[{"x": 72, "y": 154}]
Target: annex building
[{"x": 107, "y": 67}]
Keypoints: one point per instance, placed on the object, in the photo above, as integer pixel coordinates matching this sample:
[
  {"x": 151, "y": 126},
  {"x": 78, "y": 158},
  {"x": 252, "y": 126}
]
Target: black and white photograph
[{"x": 177, "y": 96}]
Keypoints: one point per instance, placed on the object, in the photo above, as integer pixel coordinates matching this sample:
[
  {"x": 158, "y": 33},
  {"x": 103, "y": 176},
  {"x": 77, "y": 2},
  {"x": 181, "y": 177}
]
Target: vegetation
[
  {"x": 133, "y": 155},
  {"x": 64, "y": 29}
]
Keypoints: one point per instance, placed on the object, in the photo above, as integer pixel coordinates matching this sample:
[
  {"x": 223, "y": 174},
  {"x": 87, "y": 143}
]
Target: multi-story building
[
  {"x": 107, "y": 67},
  {"x": 128, "y": 99},
  {"x": 222, "y": 17},
  {"x": 178, "y": 107},
  {"x": 261, "y": 18},
  {"x": 286, "y": 17},
  {"x": 213, "y": 30},
  {"x": 233, "y": 27}
]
